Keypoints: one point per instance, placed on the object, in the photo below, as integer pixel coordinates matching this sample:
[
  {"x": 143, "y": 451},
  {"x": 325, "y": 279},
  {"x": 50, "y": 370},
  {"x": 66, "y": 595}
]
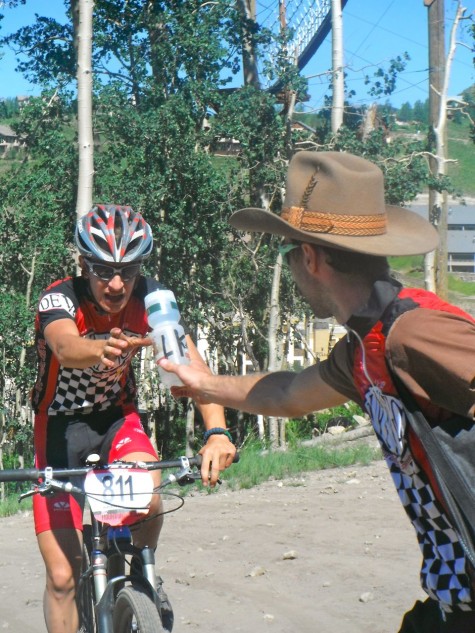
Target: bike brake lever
[
  {"x": 192, "y": 477},
  {"x": 188, "y": 478},
  {"x": 30, "y": 493}
]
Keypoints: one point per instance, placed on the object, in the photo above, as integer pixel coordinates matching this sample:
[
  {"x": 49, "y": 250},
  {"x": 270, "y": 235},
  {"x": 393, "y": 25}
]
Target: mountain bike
[{"x": 118, "y": 590}]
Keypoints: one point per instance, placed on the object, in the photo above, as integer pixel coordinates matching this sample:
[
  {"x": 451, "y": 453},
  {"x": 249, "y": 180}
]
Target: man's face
[
  {"x": 311, "y": 286},
  {"x": 111, "y": 285}
]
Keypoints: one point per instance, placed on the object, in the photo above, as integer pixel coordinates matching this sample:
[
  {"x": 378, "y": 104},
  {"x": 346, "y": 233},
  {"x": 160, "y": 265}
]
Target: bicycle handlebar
[{"x": 34, "y": 474}]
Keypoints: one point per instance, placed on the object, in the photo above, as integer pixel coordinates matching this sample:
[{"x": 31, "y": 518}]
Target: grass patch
[
  {"x": 460, "y": 148},
  {"x": 256, "y": 466},
  {"x": 466, "y": 288},
  {"x": 412, "y": 266},
  {"x": 413, "y": 269},
  {"x": 10, "y": 505}
]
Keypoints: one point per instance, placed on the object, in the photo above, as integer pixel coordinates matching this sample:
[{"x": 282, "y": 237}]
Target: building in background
[{"x": 461, "y": 239}]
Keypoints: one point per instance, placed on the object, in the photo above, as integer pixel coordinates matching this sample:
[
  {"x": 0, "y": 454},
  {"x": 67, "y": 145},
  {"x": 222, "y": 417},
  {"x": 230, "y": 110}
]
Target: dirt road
[{"x": 331, "y": 552}]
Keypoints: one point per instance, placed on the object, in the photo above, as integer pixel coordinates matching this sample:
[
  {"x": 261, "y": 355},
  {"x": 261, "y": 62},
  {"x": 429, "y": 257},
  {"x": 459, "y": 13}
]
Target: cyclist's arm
[
  {"x": 213, "y": 414},
  {"x": 219, "y": 451},
  {"x": 76, "y": 352},
  {"x": 281, "y": 394}
]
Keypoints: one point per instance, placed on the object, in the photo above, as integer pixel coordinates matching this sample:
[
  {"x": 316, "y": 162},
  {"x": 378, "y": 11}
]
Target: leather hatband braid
[{"x": 316, "y": 222}]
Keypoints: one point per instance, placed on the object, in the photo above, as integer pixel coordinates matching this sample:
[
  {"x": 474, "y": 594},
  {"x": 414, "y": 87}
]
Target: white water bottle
[{"x": 167, "y": 334}]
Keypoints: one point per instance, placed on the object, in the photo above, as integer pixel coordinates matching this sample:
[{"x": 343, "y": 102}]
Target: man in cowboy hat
[{"x": 403, "y": 346}]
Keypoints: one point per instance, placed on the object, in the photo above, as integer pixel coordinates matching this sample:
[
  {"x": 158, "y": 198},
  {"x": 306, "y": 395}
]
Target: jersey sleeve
[
  {"x": 433, "y": 353},
  {"x": 337, "y": 370},
  {"x": 57, "y": 302}
]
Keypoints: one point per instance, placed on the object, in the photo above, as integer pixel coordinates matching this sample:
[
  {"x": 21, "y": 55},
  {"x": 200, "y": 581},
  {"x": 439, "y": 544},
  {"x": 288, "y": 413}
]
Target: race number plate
[{"x": 119, "y": 496}]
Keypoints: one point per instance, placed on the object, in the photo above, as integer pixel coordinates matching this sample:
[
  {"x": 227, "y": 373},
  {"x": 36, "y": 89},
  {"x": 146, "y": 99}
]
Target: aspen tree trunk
[
  {"x": 337, "y": 67},
  {"x": 2, "y": 423},
  {"x": 83, "y": 35},
  {"x": 249, "y": 57},
  {"x": 22, "y": 407},
  {"x": 275, "y": 348},
  {"x": 441, "y": 160}
]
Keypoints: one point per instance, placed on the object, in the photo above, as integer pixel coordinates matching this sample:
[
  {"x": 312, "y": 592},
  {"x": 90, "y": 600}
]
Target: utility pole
[{"x": 437, "y": 69}]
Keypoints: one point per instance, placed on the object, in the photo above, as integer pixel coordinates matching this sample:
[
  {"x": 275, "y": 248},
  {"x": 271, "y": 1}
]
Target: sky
[{"x": 374, "y": 31}]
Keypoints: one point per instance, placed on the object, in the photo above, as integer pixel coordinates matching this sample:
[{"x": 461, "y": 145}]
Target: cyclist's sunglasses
[
  {"x": 106, "y": 272},
  {"x": 286, "y": 248}
]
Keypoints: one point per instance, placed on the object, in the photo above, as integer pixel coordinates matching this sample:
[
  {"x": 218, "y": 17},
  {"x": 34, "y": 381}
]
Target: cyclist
[{"x": 88, "y": 329}]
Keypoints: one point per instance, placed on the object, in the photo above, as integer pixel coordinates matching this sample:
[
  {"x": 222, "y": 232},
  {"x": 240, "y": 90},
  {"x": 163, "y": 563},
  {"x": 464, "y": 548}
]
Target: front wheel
[
  {"x": 135, "y": 612},
  {"x": 85, "y": 596}
]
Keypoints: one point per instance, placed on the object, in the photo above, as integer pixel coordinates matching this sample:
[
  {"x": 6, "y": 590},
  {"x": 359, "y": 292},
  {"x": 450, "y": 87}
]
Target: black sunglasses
[{"x": 106, "y": 272}]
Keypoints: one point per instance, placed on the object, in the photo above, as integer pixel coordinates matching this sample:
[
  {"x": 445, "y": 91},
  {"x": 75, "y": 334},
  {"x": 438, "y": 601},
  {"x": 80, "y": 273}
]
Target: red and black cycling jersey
[{"x": 61, "y": 389}]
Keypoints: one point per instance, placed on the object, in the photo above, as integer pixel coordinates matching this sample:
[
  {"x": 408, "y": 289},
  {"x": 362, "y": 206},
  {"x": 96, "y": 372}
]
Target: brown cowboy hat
[{"x": 337, "y": 199}]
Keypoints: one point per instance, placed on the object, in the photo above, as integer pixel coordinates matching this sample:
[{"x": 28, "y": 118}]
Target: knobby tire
[
  {"x": 135, "y": 612},
  {"x": 85, "y": 597}
]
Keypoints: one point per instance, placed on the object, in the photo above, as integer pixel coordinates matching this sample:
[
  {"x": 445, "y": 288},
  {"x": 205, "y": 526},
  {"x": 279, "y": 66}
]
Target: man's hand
[
  {"x": 118, "y": 343},
  {"x": 218, "y": 454},
  {"x": 191, "y": 376}
]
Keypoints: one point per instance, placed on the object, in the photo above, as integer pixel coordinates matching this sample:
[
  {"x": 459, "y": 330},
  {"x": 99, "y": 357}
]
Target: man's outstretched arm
[{"x": 285, "y": 394}]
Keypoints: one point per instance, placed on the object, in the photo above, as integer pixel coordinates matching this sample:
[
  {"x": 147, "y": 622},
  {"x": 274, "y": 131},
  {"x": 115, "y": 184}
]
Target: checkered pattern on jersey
[
  {"x": 78, "y": 389},
  {"x": 443, "y": 572},
  {"x": 96, "y": 388}
]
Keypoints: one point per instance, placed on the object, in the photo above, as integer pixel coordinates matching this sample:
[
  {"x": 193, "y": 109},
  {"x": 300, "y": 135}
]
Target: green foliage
[
  {"x": 318, "y": 423},
  {"x": 36, "y": 220},
  {"x": 384, "y": 80},
  {"x": 405, "y": 112},
  {"x": 419, "y": 112},
  {"x": 17, "y": 440},
  {"x": 8, "y": 108},
  {"x": 51, "y": 55}
]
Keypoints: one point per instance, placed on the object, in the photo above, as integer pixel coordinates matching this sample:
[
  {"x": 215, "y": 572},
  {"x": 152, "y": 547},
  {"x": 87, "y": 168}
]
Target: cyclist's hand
[
  {"x": 118, "y": 343},
  {"x": 218, "y": 454}
]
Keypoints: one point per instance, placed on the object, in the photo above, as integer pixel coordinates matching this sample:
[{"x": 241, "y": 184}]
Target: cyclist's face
[{"x": 113, "y": 294}]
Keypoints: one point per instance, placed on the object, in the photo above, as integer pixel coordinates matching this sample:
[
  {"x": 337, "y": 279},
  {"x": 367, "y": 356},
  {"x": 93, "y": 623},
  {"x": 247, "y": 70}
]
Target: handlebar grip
[{"x": 26, "y": 474}]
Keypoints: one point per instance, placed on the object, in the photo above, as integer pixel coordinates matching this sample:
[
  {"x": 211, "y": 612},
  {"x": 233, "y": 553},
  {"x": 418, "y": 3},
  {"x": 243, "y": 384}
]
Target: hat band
[{"x": 315, "y": 222}]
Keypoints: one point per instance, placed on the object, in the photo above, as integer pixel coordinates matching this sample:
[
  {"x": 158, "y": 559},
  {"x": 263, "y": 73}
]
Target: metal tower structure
[{"x": 310, "y": 21}]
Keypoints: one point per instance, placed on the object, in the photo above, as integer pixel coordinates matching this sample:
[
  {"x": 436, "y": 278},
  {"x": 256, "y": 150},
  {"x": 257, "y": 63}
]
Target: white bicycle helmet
[{"x": 112, "y": 233}]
